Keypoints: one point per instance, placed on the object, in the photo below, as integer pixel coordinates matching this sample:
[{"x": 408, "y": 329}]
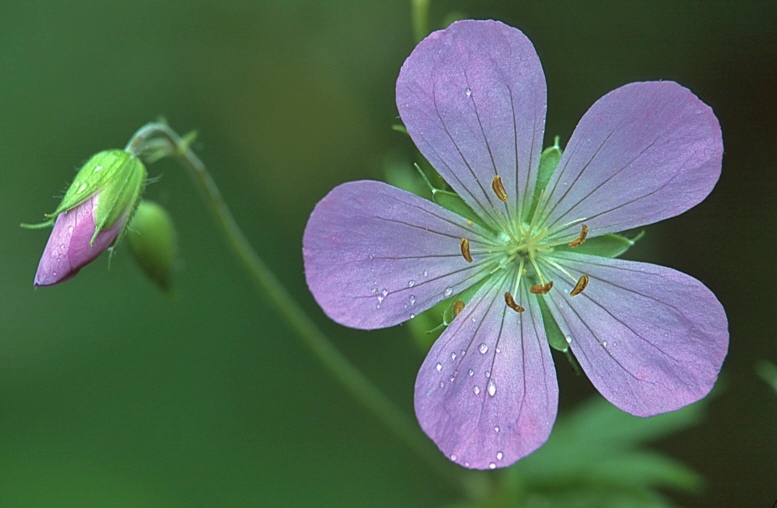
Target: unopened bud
[{"x": 152, "y": 241}]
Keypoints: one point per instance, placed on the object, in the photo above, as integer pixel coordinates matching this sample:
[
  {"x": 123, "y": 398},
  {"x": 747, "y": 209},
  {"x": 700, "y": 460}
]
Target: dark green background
[{"x": 111, "y": 395}]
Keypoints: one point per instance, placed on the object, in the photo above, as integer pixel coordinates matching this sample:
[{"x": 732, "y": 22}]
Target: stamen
[
  {"x": 580, "y": 286},
  {"x": 581, "y": 238},
  {"x": 541, "y": 289},
  {"x": 499, "y": 189},
  {"x": 510, "y": 301},
  {"x": 458, "y": 306},
  {"x": 464, "y": 244}
]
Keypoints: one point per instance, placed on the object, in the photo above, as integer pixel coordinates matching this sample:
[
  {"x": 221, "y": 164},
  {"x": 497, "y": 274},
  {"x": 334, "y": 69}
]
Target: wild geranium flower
[
  {"x": 92, "y": 216},
  {"x": 651, "y": 339}
]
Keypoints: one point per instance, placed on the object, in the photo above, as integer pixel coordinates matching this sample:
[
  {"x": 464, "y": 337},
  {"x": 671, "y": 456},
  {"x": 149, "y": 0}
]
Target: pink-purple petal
[
  {"x": 68, "y": 248},
  {"x": 376, "y": 255},
  {"x": 642, "y": 153},
  {"x": 473, "y": 98},
  {"x": 651, "y": 339},
  {"x": 487, "y": 393}
]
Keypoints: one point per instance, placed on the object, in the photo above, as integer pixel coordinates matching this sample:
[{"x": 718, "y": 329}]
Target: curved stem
[{"x": 146, "y": 142}]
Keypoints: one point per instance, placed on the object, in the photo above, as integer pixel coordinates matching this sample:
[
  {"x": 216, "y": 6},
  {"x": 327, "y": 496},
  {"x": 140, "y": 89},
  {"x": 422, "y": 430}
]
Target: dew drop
[
  {"x": 70, "y": 229},
  {"x": 426, "y": 274},
  {"x": 380, "y": 298},
  {"x": 483, "y": 348},
  {"x": 496, "y": 429},
  {"x": 491, "y": 387},
  {"x": 474, "y": 320},
  {"x": 487, "y": 373},
  {"x": 453, "y": 355},
  {"x": 466, "y": 464},
  {"x": 412, "y": 299},
  {"x": 97, "y": 169},
  {"x": 476, "y": 389},
  {"x": 498, "y": 350},
  {"x": 453, "y": 457},
  {"x": 438, "y": 366},
  {"x": 499, "y": 455},
  {"x": 412, "y": 316},
  {"x": 604, "y": 343},
  {"x": 371, "y": 257},
  {"x": 377, "y": 306},
  {"x": 374, "y": 290},
  {"x": 492, "y": 466},
  {"x": 448, "y": 291},
  {"x": 410, "y": 283},
  {"x": 569, "y": 339},
  {"x": 81, "y": 188},
  {"x": 471, "y": 372},
  {"x": 468, "y": 91},
  {"x": 384, "y": 293},
  {"x": 442, "y": 385}
]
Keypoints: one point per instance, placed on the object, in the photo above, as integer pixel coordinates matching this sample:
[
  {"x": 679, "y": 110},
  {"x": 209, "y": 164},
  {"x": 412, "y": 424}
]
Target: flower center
[{"x": 523, "y": 249}]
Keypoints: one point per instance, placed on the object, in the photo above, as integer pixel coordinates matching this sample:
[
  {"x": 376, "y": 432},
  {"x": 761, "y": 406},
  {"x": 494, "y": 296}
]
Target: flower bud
[
  {"x": 152, "y": 242},
  {"x": 93, "y": 214}
]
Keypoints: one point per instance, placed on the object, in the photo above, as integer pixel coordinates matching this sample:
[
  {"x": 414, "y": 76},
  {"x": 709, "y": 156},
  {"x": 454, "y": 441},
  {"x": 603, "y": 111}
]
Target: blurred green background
[{"x": 112, "y": 395}]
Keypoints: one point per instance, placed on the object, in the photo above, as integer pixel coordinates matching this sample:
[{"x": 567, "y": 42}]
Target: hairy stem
[{"x": 156, "y": 140}]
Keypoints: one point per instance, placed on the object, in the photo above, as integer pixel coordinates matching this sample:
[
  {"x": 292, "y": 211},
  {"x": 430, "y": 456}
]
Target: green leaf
[{"x": 608, "y": 246}]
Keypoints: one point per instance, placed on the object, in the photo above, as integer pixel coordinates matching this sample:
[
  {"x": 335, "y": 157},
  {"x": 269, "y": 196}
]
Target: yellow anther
[
  {"x": 464, "y": 244},
  {"x": 580, "y": 286},
  {"x": 499, "y": 188},
  {"x": 458, "y": 306},
  {"x": 510, "y": 301},
  {"x": 580, "y": 238},
  {"x": 541, "y": 289}
]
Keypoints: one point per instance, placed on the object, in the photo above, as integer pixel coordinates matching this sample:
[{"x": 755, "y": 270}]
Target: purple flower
[
  {"x": 651, "y": 339},
  {"x": 70, "y": 246}
]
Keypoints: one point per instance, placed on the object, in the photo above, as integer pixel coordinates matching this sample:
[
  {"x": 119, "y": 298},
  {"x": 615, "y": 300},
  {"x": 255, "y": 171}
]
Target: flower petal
[
  {"x": 487, "y": 393},
  {"x": 376, "y": 255},
  {"x": 68, "y": 249},
  {"x": 651, "y": 339},
  {"x": 473, "y": 98},
  {"x": 643, "y": 152}
]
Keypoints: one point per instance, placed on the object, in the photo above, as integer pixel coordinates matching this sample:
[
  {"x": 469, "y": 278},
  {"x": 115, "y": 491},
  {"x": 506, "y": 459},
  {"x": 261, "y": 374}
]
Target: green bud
[{"x": 152, "y": 242}]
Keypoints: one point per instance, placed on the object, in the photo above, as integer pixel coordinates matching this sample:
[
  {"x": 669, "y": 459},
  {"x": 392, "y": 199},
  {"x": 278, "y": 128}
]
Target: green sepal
[
  {"x": 553, "y": 333},
  {"x": 548, "y": 163},
  {"x": 118, "y": 176},
  {"x": 152, "y": 241},
  {"x": 451, "y": 201},
  {"x": 608, "y": 246},
  {"x": 465, "y": 296}
]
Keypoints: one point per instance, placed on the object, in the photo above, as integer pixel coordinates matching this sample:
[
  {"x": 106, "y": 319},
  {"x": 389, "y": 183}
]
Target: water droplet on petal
[
  {"x": 97, "y": 169},
  {"x": 498, "y": 350},
  {"x": 471, "y": 372},
  {"x": 474, "y": 320},
  {"x": 371, "y": 256},
  {"x": 412, "y": 299},
  {"x": 453, "y": 355},
  {"x": 492, "y": 466},
  {"x": 483, "y": 348},
  {"x": 604, "y": 343},
  {"x": 466, "y": 464},
  {"x": 412, "y": 316},
  {"x": 468, "y": 91},
  {"x": 448, "y": 291},
  {"x": 410, "y": 283},
  {"x": 496, "y": 429},
  {"x": 476, "y": 389},
  {"x": 442, "y": 385},
  {"x": 70, "y": 229},
  {"x": 426, "y": 274},
  {"x": 491, "y": 387},
  {"x": 377, "y": 306},
  {"x": 569, "y": 339},
  {"x": 384, "y": 292},
  {"x": 499, "y": 455},
  {"x": 487, "y": 373},
  {"x": 453, "y": 457},
  {"x": 438, "y": 366}
]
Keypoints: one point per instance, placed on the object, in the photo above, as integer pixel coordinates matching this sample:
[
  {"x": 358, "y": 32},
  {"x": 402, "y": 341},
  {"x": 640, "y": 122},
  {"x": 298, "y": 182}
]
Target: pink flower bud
[{"x": 70, "y": 246}]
